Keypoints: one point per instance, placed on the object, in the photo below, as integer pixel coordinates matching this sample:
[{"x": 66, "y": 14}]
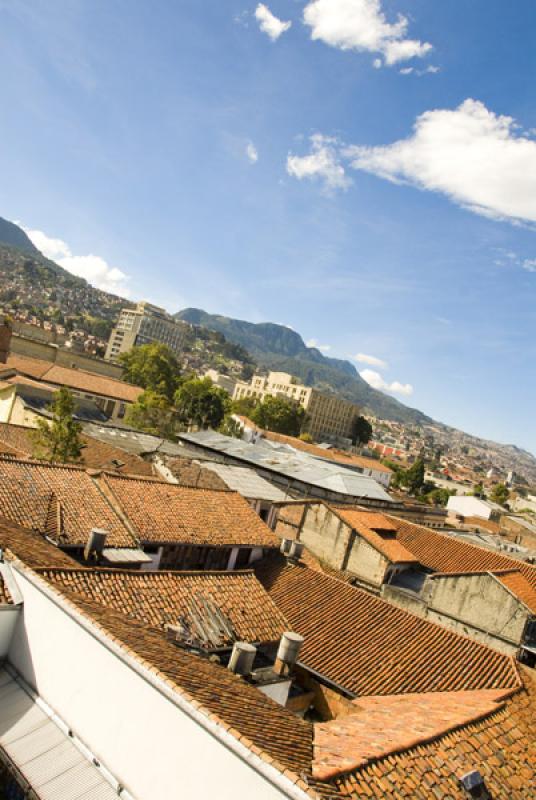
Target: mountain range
[{"x": 279, "y": 348}]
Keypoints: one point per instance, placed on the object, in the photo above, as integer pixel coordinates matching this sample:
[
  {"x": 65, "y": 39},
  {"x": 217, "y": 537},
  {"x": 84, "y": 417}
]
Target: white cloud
[
  {"x": 93, "y": 268},
  {"x": 529, "y": 264},
  {"x": 324, "y": 348},
  {"x": 363, "y": 358},
  {"x": 362, "y": 25},
  {"x": 470, "y": 154},
  {"x": 377, "y": 382},
  {"x": 270, "y": 24},
  {"x": 431, "y": 70},
  {"x": 322, "y": 163},
  {"x": 252, "y": 153}
]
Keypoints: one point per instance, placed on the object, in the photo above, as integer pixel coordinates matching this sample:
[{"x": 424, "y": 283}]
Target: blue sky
[{"x": 366, "y": 175}]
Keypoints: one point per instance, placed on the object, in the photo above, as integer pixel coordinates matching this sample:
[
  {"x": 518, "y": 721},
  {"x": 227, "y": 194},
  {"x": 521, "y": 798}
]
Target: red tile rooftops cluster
[
  {"x": 370, "y": 647},
  {"x": 380, "y": 726},
  {"x": 17, "y": 440},
  {"x": 77, "y": 379},
  {"x": 164, "y": 512},
  {"x": 62, "y": 502},
  {"x": 158, "y": 599}
]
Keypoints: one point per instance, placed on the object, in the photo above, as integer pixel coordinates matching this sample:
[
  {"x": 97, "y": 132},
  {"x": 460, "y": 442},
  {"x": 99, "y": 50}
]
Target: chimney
[
  {"x": 5, "y": 339},
  {"x": 295, "y": 551},
  {"x": 285, "y": 545},
  {"x": 287, "y": 653},
  {"x": 242, "y": 658},
  {"x": 95, "y": 543}
]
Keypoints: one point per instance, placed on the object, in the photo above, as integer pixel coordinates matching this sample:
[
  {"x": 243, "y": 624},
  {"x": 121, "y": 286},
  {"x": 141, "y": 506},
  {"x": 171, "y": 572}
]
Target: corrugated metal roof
[
  {"x": 125, "y": 555},
  {"x": 44, "y": 755},
  {"x": 294, "y": 464},
  {"x": 247, "y": 482}
]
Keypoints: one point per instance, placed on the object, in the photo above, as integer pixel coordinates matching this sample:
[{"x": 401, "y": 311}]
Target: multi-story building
[
  {"x": 327, "y": 416},
  {"x": 143, "y": 325}
]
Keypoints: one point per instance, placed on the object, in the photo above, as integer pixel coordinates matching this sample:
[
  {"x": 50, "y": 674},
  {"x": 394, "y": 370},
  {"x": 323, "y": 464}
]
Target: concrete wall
[
  {"x": 148, "y": 743},
  {"x": 326, "y": 536},
  {"x": 475, "y": 605},
  {"x": 366, "y": 562}
]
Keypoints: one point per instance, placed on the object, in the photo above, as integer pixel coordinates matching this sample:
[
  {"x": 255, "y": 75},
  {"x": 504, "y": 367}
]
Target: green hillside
[{"x": 279, "y": 348}]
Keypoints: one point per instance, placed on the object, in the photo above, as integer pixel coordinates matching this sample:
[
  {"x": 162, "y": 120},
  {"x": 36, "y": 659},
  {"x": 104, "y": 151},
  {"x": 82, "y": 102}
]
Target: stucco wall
[
  {"x": 154, "y": 748},
  {"x": 481, "y": 601},
  {"x": 325, "y": 535},
  {"x": 366, "y": 562}
]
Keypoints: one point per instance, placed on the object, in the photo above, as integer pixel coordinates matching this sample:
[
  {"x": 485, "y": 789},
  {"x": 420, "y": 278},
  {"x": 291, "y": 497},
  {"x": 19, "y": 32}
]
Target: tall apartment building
[
  {"x": 327, "y": 416},
  {"x": 143, "y": 325}
]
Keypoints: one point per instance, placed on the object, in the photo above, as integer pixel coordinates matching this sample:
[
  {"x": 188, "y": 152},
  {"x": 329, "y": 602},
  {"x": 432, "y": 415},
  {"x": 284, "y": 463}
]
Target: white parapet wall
[{"x": 131, "y": 720}]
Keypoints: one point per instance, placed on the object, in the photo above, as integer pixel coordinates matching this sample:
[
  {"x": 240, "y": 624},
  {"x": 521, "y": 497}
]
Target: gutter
[{"x": 271, "y": 774}]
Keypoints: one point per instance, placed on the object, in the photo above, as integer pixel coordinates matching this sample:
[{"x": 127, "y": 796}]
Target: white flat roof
[{"x": 44, "y": 755}]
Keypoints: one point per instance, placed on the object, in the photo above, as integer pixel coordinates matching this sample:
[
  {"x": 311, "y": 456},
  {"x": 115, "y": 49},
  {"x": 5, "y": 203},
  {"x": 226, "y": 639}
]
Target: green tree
[
  {"x": 153, "y": 367},
  {"x": 244, "y": 406},
  {"x": 361, "y": 431},
  {"x": 414, "y": 476},
  {"x": 478, "y": 491},
  {"x": 59, "y": 439},
  {"x": 279, "y": 414},
  {"x": 200, "y": 403},
  {"x": 152, "y": 413},
  {"x": 499, "y": 494}
]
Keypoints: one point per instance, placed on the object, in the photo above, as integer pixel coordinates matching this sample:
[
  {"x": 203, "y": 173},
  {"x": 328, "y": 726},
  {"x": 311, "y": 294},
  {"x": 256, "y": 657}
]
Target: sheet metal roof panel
[
  {"x": 125, "y": 555},
  {"x": 247, "y": 482},
  {"x": 291, "y": 463},
  {"x": 44, "y": 755}
]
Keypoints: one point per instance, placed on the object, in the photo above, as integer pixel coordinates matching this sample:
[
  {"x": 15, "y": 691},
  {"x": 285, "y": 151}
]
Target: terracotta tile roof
[
  {"x": 158, "y": 599},
  {"x": 331, "y": 454},
  {"x": 60, "y": 501},
  {"x": 165, "y": 512},
  {"x": 370, "y": 647},
  {"x": 379, "y": 531},
  {"x": 277, "y": 736},
  {"x": 443, "y": 553},
  {"x": 78, "y": 379},
  {"x": 31, "y": 548},
  {"x": 380, "y": 726},
  {"x": 517, "y": 583},
  {"x": 5, "y": 597},
  {"x": 17, "y": 440},
  {"x": 502, "y": 747}
]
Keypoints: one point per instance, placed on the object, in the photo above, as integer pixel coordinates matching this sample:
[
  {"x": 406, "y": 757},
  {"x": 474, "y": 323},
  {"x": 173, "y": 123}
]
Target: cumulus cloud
[
  {"x": 252, "y": 153},
  {"x": 362, "y": 25},
  {"x": 431, "y": 70},
  {"x": 93, "y": 268},
  {"x": 470, "y": 154},
  {"x": 270, "y": 24},
  {"x": 378, "y": 382},
  {"x": 372, "y": 361},
  {"x": 324, "y": 348},
  {"x": 529, "y": 264},
  {"x": 322, "y": 163}
]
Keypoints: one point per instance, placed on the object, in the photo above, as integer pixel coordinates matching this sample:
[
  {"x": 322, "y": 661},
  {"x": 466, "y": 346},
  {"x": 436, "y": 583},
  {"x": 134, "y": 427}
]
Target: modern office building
[{"x": 143, "y": 325}]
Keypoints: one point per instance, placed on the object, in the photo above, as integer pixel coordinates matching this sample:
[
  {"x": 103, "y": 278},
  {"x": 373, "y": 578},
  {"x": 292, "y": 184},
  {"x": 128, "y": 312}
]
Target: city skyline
[{"x": 332, "y": 174}]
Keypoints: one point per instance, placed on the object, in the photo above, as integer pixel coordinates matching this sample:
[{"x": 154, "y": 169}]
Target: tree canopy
[
  {"x": 279, "y": 414},
  {"x": 59, "y": 439},
  {"x": 199, "y": 402},
  {"x": 361, "y": 431},
  {"x": 152, "y": 413},
  {"x": 153, "y": 367},
  {"x": 499, "y": 494}
]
